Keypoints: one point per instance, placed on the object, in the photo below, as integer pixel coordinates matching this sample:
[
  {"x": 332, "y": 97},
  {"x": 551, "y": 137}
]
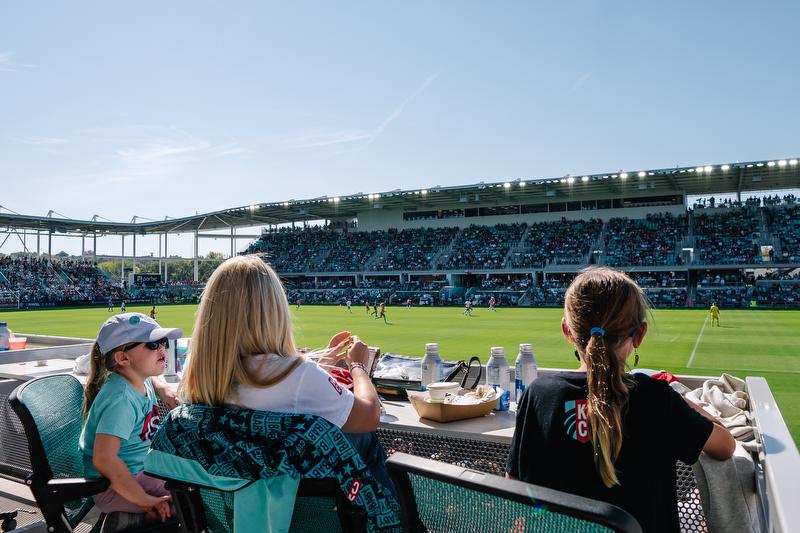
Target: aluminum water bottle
[
  {"x": 4, "y": 336},
  {"x": 498, "y": 374},
  {"x": 431, "y": 365},
  {"x": 525, "y": 370}
]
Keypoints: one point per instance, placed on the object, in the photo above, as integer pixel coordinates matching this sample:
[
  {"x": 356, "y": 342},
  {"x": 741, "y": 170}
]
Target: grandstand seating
[
  {"x": 482, "y": 247},
  {"x": 644, "y": 242},
  {"x": 413, "y": 249},
  {"x": 332, "y": 265},
  {"x": 785, "y": 225},
  {"x": 565, "y": 241},
  {"x": 728, "y": 237}
]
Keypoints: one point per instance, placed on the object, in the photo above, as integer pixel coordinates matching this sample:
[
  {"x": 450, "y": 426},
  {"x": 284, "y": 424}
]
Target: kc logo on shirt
[
  {"x": 335, "y": 385},
  {"x": 577, "y": 421}
]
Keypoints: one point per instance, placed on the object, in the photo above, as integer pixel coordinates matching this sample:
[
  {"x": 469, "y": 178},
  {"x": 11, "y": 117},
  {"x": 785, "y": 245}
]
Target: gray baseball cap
[{"x": 126, "y": 328}]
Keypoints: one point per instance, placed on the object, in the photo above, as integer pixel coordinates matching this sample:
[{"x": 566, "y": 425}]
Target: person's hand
[
  {"x": 335, "y": 352},
  {"x": 156, "y": 507},
  {"x": 167, "y": 393},
  {"x": 358, "y": 352}
]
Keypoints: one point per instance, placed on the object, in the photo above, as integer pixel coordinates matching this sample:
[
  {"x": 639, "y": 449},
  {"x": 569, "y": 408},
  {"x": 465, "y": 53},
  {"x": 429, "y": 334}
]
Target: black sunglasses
[{"x": 150, "y": 345}]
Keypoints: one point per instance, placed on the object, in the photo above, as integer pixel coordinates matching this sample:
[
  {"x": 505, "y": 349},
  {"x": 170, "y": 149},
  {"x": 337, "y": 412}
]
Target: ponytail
[
  {"x": 608, "y": 395},
  {"x": 601, "y": 308},
  {"x": 98, "y": 372}
]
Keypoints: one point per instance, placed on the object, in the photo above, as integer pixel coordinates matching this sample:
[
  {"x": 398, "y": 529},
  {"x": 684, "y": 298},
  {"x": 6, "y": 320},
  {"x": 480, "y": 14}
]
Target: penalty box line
[{"x": 697, "y": 343}]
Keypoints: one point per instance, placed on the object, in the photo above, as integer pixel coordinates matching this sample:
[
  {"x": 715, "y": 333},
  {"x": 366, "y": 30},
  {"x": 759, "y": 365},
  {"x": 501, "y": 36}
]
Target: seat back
[
  {"x": 50, "y": 411},
  {"x": 447, "y": 497}
]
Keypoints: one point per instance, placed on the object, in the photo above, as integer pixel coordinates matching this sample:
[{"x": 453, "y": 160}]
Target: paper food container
[{"x": 445, "y": 412}]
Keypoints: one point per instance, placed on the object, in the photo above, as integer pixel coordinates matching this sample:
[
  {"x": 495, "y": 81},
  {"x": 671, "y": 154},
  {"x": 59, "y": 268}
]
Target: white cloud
[
  {"x": 42, "y": 141},
  {"x": 7, "y": 63},
  {"x": 317, "y": 139}
]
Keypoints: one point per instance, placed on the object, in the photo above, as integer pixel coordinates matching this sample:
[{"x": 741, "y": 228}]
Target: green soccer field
[{"x": 749, "y": 343}]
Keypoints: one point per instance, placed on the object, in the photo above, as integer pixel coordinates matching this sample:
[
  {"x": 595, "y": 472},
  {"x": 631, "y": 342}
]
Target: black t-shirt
[{"x": 552, "y": 447}]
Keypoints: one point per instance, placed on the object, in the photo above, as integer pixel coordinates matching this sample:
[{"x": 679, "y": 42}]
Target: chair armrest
[{"x": 72, "y": 488}]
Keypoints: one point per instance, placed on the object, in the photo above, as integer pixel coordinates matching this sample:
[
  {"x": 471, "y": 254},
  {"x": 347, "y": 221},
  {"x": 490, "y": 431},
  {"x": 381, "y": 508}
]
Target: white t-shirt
[{"x": 308, "y": 389}]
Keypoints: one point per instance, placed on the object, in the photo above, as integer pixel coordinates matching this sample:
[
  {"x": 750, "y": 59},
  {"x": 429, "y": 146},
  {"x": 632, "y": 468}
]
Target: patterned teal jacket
[{"x": 262, "y": 456}]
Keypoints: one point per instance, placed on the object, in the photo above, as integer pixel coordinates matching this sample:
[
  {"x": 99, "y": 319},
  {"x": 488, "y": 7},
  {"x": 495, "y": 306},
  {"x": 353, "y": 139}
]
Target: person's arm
[
  {"x": 105, "y": 458},
  {"x": 720, "y": 444},
  {"x": 365, "y": 414},
  {"x": 166, "y": 392}
]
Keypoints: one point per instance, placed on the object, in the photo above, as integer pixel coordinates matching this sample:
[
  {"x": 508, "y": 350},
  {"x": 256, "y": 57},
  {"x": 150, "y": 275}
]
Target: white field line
[{"x": 696, "y": 343}]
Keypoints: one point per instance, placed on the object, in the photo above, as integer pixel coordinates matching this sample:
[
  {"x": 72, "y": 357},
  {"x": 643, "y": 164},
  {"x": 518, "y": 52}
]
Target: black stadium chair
[
  {"x": 451, "y": 498},
  {"x": 50, "y": 411}
]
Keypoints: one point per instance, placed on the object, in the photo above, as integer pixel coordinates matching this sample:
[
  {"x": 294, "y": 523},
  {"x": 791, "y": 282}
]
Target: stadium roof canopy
[{"x": 699, "y": 180}]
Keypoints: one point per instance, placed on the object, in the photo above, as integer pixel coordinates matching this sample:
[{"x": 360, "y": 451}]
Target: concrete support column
[
  {"x": 133, "y": 268},
  {"x": 122, "y": 262},
  {"x": 233, "y": 241},
  {"x": 38, "y": 235},
  {"x": 94, "y": 248},
  {"x": 196, "y": 269},
  {"x": 50, "y": 243},
  {"x": 166, "y": 259}
]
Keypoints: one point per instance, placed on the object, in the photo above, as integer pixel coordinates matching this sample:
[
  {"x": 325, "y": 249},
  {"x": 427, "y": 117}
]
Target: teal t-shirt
[{"x": 121, "y": 410}]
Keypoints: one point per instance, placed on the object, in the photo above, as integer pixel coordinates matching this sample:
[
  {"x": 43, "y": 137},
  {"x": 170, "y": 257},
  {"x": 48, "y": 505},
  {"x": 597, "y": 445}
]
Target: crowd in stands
[
  {"x": 294, "y": 250},
  {"x": 29, "y": 281},
  {"x": 661, "y": 298},
  {"x": 712, "y": 278},
  {"x": 728, "y": 237},
  {"x": 413, "y": 249},
  {"x": 351, "y": 252},
  {"x": 778, "y": 294},
  {"x": 483, "y": 247},
  {"x": 785, "y": 226},
  {"x": 567, "y": 241},
  {"x": 723, "y": 297},
  {"x": 644, "y": 242},
  {"x": 659, "y": 279}
]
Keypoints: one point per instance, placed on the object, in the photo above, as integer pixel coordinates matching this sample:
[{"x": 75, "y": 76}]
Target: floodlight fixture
[
  {"x": 570, "y": 180},
  {"x": 521, "y": 183},
  {"x": 506, "y": 185},
  {"x": 285, "y": 204},
  {"x": 725, "y": 168},
  {"x": 585, "y": 179},
  {"x": 424, "y": 192},
  {"x": 782, "y": 163},
  {"x": 336, "y": 199},
  {"x": 699, "y": 170},
  {"x": 771, "y": 164},
  {"x": 623, "y": 175},
  {"x": 642, "y": 173},
  {"x": 759, "y": 164},
  {"x": 708, "y": 168},
  {"x": 793, "y": 162},
  {"x": 563, "y": 180}
]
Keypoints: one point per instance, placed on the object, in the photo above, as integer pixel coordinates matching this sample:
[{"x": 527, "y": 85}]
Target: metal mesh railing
[{"x": 490, "y": 457}]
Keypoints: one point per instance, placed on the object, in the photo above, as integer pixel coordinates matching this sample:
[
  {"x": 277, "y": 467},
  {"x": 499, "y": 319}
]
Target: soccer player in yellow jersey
[{"x": 714, "y": 314}]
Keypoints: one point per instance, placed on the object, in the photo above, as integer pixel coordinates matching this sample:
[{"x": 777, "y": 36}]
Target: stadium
[{"x": 725, "y": 234}]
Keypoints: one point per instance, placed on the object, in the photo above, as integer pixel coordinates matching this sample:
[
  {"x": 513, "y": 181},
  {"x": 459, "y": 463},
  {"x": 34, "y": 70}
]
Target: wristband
[{"x": 358, "y": 365}]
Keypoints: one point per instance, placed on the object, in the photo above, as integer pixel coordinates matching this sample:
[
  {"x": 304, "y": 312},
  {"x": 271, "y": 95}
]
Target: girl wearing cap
[
  {"x": 121, "y": 414},
  {"x": 601, "y": 432},
  {"x": 244, "y": 354}
]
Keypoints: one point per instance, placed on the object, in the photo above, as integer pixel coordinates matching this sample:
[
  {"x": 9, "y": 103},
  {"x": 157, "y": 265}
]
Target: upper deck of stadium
[{"x": 509, "y": 197}]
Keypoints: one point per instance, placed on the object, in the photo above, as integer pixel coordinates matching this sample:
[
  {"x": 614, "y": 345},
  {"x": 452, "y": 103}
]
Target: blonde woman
[
  {"x": 601, "y": 432},
  {"x": 244, "y": 355}
]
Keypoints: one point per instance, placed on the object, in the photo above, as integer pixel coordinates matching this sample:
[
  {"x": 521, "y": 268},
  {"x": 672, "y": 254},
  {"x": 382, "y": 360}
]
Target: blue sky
[{"x": 167, "y": 108}]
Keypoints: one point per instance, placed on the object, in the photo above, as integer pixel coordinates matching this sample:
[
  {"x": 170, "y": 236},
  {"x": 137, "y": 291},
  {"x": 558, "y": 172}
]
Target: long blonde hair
[
  {"x": 243, "y": 312},
  {"x": 100, "y": 365},
  {"x": 608, "y": 299}
]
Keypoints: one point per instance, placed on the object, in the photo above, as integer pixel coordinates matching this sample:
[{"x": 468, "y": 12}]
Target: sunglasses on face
[{"x": 151, "y": 345}]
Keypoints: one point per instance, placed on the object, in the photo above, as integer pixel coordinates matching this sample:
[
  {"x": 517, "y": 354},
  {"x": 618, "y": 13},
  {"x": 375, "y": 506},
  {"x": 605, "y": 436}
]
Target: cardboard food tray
[{"x": 444, "y": 412}]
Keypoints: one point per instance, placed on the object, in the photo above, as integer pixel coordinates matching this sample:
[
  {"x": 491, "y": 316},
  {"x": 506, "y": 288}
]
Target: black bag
[{"x": 394, "y": 388}]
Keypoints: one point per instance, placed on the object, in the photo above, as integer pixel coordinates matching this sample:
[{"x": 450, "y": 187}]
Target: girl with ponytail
[
  {"x": 120, "y": 415},
  {"x": 600, "y": 431}
]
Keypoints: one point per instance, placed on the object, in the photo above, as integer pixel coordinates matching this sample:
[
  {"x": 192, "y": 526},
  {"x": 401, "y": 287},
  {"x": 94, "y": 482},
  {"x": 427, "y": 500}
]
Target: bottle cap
[
  {"x": 432, "y": 347},
  {"x": 498, "y": 350},
  {"x": 3, "y": 324},
  {"x": 525, "y": 349}
]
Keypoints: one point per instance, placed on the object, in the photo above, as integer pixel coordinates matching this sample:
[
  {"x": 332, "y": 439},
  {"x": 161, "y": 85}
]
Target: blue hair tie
[{"x": 597, "y": 330}]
